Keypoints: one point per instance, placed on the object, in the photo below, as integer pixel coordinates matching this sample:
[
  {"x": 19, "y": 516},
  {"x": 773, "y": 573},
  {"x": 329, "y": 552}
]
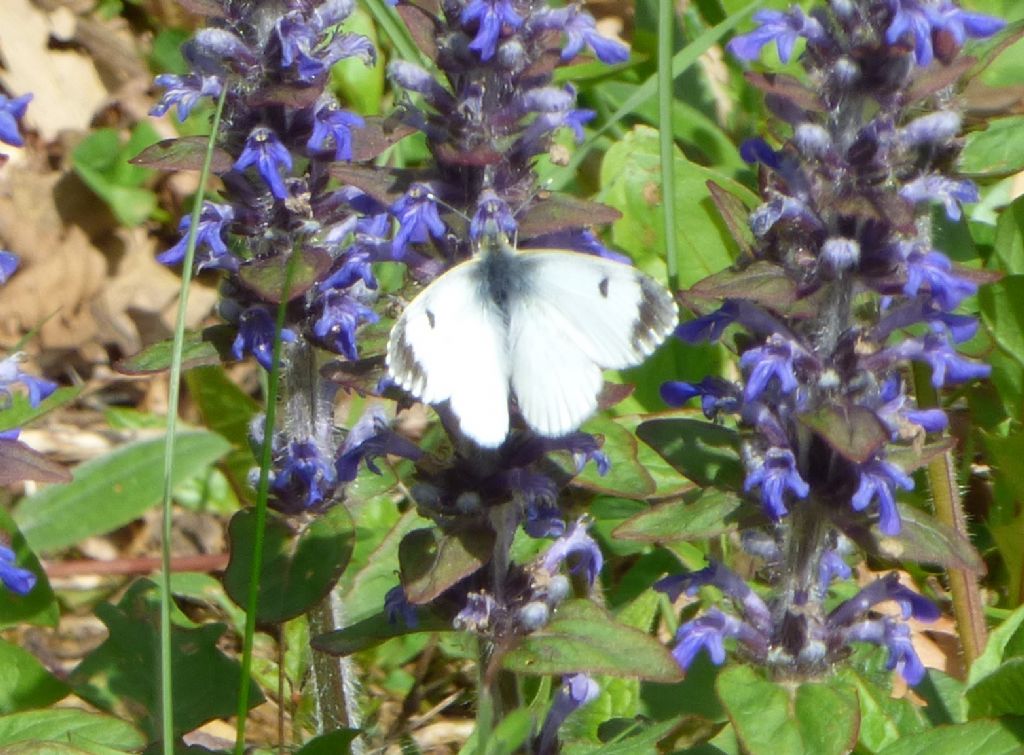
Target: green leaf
[
  {"x": 627, "y": 477},
  {"x": 972, "y": 738},
  {"x": 762, "y": 283},
  {"x": 112, "y": 490},
  {"x": 226, "y": 410},
  {"x": 922, "y": 538},
  {"x": 360, "y": 85},
  {"x": 25, "y": 682},
  {"x": 335, "y": 743},
  {"x": 713, "y": 513},
  {"x": 701, "y": 451},
  {"x": 101, "y": 161},
  {"x": 374, "y": 630},
  {"x": 185, "y": 153},
  {"x": 510, "y": 734},
  {"x": 996, "y": 151},
  {"x": 643, "y": 743},
  {"x": 20, "y": 412},
  {"x": 298, "y": 568},
  {"x": 999, "y": 693},
  {"x": 813, "y": 718},
  {"x": 854, "y": 432},
  {"x": 584, "y": 637},
  {"x": 1005, "y": 641},
  {"x": 630, "y": 182},
  {"x": 1009, "y": 241},
  {"x": 1002, "y": 310},
  {"x": 883, "y": 719},
  {"x": 210, "y": 346},
  {"x": 70, "y": 727},
  {"x": 118, "y": 676},
  {"x": 433, "y": 561},
  {"x": 39, "y": 607}
]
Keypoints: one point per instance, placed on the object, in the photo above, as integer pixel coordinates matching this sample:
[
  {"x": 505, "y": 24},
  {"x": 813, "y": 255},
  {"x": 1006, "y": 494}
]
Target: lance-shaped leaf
[
  {"x": 787, "y": 88},
  {"x": 432, "y": 561},
  {"x": 922, "y": 538},
  {"x": 711, "y": 514},
  {"x": 1000, "y": 693},
  {"x": 762, "y": 282},
  {"x": 583, "y": 637},
  {"x": 266, "y": 277},
  {"x": 802, "y": 719},
  {"x": 185, "y": 153},
  {"x": 734, "y": 214},
  {"x": 374, "y": 630},
  {"x": 299, "y": 568},
  {"x": 209, "y": 346},
  {"x": 700, "y": 451},
  {"x": 422, "y": 26},
  {"x": 19, "y": 462},
  {"x": 385, "y": 185},
  {"x": 20, "y": 411},
  {"x": 854, "y": 432},
  {"x": 557, "y": 212}
]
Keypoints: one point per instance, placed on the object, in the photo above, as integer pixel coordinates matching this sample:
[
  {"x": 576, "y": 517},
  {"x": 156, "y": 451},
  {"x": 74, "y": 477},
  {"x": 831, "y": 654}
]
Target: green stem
[
  {"x": 173, "y": 397},
  {"x": 260, "y": 510},
  {"x": 968, "y": 607},
  {"x": 666, "y": 29}
]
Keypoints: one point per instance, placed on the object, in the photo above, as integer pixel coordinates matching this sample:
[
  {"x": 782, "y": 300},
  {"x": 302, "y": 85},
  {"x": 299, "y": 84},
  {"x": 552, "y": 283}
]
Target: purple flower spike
[
  {"x": 368, "y": 439},
  {"x": 264, "y": 150},
  {"x": 576, "y": 542},
  {"x": 418, "y": 218},
  {"x": 332, "y": 124},
  {"x": 8, "y": 264},
  {"x": 15, "y": 579},
  {"x": 339, "y": 316},
  {"x": 776, "y": 26},
  {"x": 937, "y": 188},
  {"x": 878, "y": 479},
  {"x": 184, "y": 92},
  {"x": 12, "y": 110},
  {"x": 256, "y": 336},
  {"x": 491, "y": 16},
  {"x": 934, "y": 270},
  {"x": 213, "y": 222},
  {"x": 304, "y": 475},
  {"x": 775, "y": 476}
]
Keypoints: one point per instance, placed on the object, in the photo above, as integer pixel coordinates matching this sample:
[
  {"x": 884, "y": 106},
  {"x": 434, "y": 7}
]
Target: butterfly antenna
[{"x": 437, "y": 200}]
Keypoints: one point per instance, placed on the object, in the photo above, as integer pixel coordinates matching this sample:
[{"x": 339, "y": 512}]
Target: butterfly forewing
[{"x": 450, "y": 345}]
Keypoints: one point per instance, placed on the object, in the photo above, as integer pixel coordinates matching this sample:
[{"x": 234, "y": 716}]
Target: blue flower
[
  {"x": 213, "y": 221},
  {"x": 418, "y": 218},
  {"x": 895, "y": 637},
  {"x": 398, "y": 608},
  {"x": 934, "y": 270},
  {"x": 15, "y": 579},
  {"x": 185, "y": 92},
  {"x": 951, "y": 192},
  {"x": 218, "y": 52},
  {"x": 368, "y": 439},
  {"x": 492, "y": 216},
  {"x": 831, "y": 566},
  {"x": 264, "y": 150},
  {"x": 878, "y": 479},
  {"x": 709, "y": 327},
  {"x": 576, "y": 542},
  {"x": 542, "y": 517},
  {"x": 576, "y": 691},
  {"x": 709, "y": 632},
  {"x": 775, "y": 475},
  {"x": 12, "y": 374},
  {"x": 332, "y": 124},
  {"x": 932, "y": 129},
  {"x": 881, "y": 590},
  {"x": 779, "y": 27},
  {"x": 303, "y": 474},
  {"x": 580, "y": 30},
  {"x": 343, "y": 46},
  {"x": 773, "y": 360},
  {"x": 12, "y": 110},
  {"x": 477, "y": 613},
  {"x": 729, "y": 582},
  {"x": 920, "y": 19},
  {"x": 339, "y": 316},
  {"x": 256, "y": 336},
  {"x": 491, "y": 16},
  {"x": 716, "y": 395},
  {"x": 297, "y": 38},
  {"x": 934, "y": 349},
  {"x": 8, "y": 264}
]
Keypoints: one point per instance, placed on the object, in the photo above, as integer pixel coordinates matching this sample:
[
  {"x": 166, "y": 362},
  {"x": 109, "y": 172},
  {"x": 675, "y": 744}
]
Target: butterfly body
[{"x": 539, "y": 325}]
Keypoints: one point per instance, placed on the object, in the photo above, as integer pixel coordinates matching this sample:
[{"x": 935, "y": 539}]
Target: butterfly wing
[
  {"x": 581, "y": 314},
  {"x": 451, "y": 344}
]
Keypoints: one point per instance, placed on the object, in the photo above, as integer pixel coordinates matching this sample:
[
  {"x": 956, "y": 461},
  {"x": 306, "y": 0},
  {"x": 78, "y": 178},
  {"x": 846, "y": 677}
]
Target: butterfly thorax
[{"x": 503, "y": 274}]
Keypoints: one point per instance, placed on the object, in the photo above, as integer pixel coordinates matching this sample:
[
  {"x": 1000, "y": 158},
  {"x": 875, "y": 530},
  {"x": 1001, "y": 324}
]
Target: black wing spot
[
  {"x": 430, "y": 319},
  {"x": 603, "y": 287}
]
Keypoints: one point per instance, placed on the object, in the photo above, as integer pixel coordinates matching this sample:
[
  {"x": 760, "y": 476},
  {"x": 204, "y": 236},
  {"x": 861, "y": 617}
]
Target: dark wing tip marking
[
  {"x": 402, "y": 364},
  {"x": 656, "y": 315}
]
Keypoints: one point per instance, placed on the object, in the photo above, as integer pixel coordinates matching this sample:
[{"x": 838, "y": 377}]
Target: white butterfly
[{"x": 542, "y": 324}]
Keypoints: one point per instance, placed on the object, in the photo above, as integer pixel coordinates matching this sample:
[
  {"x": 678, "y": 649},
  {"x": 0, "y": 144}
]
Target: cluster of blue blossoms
[
  {"x": 845, "y": 222},
  {"x": 15, "y": 578}
]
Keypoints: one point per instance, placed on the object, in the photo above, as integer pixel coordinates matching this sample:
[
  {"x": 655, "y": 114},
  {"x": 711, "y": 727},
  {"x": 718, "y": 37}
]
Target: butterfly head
[{"x": 493, "y": 227}]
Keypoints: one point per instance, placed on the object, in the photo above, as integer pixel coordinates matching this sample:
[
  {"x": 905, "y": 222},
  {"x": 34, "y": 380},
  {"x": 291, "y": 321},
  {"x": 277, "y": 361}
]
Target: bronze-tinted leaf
[
  {"x": 422, "y": 28},
  {"x": 762, "y": 282},
  {"x": 210, "y": 346},
  {"x": 557, "y": 212},
  {"x": 376, "y": 136},
  {"x": 185, "y": 153},
  {"x": 266, "y": 277},
  {"x": 734, "y": 214},
  {"x": 855, "y": 432},
  {"x": 288, "y": 95},
  {"x": 208, "y": 8},
  {"x": 374, "y": 630},
  {"x": 19, "y": 462},
  {"x": 788, "y": 88},
  {"x": 432, "y": 561},
  {"x": 385, "y": 185}
]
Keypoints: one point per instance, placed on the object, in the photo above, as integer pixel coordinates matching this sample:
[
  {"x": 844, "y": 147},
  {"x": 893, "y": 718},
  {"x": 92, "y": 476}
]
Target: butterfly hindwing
[{"x": 450, "y": 344}]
